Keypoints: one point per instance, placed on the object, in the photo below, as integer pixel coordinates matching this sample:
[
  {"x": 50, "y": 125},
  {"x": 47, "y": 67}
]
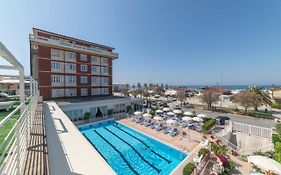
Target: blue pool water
[{"x": 128, "y": 151}]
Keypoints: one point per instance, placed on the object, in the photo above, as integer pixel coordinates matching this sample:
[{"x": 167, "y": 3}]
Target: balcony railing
[
  {"x": 14, "y": 146},
  {"x": 62, "y": 43}
]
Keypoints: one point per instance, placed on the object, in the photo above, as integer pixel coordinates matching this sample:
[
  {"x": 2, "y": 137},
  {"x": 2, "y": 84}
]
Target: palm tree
[{"x": 264, "y": 96}]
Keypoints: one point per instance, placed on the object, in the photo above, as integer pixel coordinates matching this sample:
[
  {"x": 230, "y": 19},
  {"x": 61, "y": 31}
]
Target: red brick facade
[{"x": 43, "y": 56}]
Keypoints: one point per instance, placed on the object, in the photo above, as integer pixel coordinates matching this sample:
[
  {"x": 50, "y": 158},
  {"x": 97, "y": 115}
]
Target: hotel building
[{"x": 69, "y": 67}]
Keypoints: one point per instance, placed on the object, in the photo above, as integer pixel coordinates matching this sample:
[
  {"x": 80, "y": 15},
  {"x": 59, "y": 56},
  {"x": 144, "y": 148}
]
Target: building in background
[{"x": 70, "y": 67}]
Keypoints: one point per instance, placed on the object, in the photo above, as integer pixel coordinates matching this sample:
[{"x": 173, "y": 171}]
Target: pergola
[{"x": 16, "y": 65}]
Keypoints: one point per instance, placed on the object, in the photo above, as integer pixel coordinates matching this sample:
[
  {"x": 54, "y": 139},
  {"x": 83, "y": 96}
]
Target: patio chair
[
  {"x": 174, "y": 132},
  {"x": 167, "y": 130}
]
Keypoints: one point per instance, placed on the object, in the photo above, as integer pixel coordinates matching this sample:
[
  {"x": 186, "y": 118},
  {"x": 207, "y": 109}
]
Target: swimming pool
[{"x": 128, "y": 151}]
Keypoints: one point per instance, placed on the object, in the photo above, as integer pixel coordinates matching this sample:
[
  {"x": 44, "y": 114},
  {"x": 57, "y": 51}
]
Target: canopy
[
  {"x": 159, "y": 111},
  {"x": 137, "y": 113},
  {"x": 186, "y": 118},
  {"x": 197, "y": 119},
  {"x": 171, "y": 121},
  {"x": 187, "y": 113},
  {"x": 265, "y": 163},
  {"x": 158, "y": 118},
  {"x": 166, "y": 109},
  {"x": 147, "y": 115},
  {"x": 177, "y": 111},
  {"x": 202, "y": 115},
  {"x": 170, "y": 113}
]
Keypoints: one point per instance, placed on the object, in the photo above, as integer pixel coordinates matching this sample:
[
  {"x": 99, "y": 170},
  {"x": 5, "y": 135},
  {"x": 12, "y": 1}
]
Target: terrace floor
[{"x": 37, "y": 156}]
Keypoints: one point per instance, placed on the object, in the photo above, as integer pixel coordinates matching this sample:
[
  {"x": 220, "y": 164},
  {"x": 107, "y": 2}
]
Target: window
[
  {"x": 72, "y": 66},
  {"x": 72, "y": 79},
  {"x": 55, "y": 65},
  {"x": 84, "y": 91},
  {"x": 95, "y": 60},
  {"x": 95, "y": 70},
  {"x": 105, "y": 61},
  {"x": 105, "y": 80},
  {"x": 57, "y": 93},
  {"x": 55, "y": 79},
  {"x": 84, "y": 79},
  {"x": 70, "y": 92},
  {"x": 95, "y": 81},
  {"x": 105, "y": 91},
  {"x": 70, "y": 56},
  {"x": 55, "y": 53},
  {"x": 96, "y": 91},
  {"x": 104, "y": 70},
  {"x": 84, "y": 67},
  {"x": 83, "y": 57}
]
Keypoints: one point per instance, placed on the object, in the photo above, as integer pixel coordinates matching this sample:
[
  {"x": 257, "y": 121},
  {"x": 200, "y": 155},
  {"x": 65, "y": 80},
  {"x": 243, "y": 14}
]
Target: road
[{"x": 234, "y": 117}]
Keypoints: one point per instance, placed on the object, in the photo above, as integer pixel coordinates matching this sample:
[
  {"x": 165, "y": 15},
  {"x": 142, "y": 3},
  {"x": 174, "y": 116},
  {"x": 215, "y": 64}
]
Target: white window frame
[
  {"x": 83, "y": 67},
  {"x": 83, "y": 57},
  {"x": 82, "y": 78}
]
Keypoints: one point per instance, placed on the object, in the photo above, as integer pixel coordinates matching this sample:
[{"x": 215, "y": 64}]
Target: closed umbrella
[
  {"x": 202, "y": 115},
  {"x": 170, "y": 113},
  {"x": 137, "y": 113},
  {"x": 188, "y": 113},
  {"x": 158, "y": 118},
  {"x": 166, "y": 109},
  {"x": 147, "y": 115},
  {"x": 186, "y": 118},
  {"x": 177, "y": 111},
  {"x": 171, "y": 121},
  {"x": 265, "y": 163},
  {"x": 159, "y": 111},
  {"x": 197, "y": 119}
]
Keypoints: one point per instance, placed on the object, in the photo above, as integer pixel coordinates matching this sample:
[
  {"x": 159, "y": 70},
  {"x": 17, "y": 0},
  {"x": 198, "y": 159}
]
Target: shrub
[
  {"x": 278, "y": 129},
  {"x": 202, "y": 151},
  {"x": 275, "y": 138},
  {"x": 276, "y": 105},
  {"x": 277, "y": 147},
  {"x": 188, "y": 169},
  {"x": 87, "y": 115},
  {"x": 277, "y": 157},
  {"x": 208, "y": 124}
]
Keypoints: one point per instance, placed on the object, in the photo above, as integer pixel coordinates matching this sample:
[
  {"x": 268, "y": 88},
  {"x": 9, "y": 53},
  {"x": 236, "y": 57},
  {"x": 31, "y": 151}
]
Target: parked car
[{"x": 221, "y": 119}]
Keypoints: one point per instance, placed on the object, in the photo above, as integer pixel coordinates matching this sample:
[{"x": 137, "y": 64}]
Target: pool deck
[{"x": 190, "y": 144}]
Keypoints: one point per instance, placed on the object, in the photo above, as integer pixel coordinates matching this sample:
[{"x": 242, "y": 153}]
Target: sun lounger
[
  {"x": 174, "y": 132},
  {"x": 167, "y": 130}
]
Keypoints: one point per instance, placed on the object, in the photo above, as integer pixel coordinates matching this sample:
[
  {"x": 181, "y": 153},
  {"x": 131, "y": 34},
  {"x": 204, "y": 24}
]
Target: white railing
[
  {"x": 71, "y": 45},
  {"x": 252, "y": 130},
  {"x": 15, "y": 143}
]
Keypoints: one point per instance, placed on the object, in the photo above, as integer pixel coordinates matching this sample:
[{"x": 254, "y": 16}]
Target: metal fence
[
  {"x": 14, "y": 146},
  {"x": 252, "y": 130}
]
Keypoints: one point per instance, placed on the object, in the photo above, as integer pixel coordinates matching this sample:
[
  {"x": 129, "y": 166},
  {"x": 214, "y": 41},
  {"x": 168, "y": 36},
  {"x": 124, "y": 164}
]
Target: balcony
[{"x": 62, "y": 43}]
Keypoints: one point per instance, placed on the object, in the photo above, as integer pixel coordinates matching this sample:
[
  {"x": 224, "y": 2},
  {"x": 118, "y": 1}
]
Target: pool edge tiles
[{"x": 139, "y": 151}]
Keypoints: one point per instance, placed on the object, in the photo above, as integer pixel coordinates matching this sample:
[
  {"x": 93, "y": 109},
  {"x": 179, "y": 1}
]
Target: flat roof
[
  {"x": 72, "y": 38},
  {"x": 85, "y": 99}
]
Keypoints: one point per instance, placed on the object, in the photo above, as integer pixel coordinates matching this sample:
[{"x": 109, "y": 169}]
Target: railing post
[{"x": 21, "y": 90}]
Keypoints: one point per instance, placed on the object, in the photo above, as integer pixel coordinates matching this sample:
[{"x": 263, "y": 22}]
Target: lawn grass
[{"x": 7, "y": 126}]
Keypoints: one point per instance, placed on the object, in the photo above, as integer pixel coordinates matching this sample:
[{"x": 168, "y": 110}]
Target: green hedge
[
  {"x": 275, "y": 138},
  {"x": 188, "y": 169},
  {"x": 202, "y": 151},
  {"x": 208, "y": 125}
]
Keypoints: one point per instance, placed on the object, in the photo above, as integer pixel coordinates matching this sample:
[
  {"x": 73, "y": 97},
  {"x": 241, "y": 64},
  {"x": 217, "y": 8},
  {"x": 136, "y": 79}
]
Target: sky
[{"x": 183, "y": 42}]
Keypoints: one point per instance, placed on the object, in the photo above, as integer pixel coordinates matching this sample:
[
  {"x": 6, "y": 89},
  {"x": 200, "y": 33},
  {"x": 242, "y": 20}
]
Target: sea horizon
[{"x": 229, "y": 87}]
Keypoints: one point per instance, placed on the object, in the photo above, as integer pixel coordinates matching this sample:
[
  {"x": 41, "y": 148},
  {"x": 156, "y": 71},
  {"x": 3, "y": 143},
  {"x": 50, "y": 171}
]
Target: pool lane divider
[
  {"x": 95, "y": 148},
  {"x": 169, "y": 161},
  {"x": 158, "y": 170},
  {"x": 121, "y": 155}
]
